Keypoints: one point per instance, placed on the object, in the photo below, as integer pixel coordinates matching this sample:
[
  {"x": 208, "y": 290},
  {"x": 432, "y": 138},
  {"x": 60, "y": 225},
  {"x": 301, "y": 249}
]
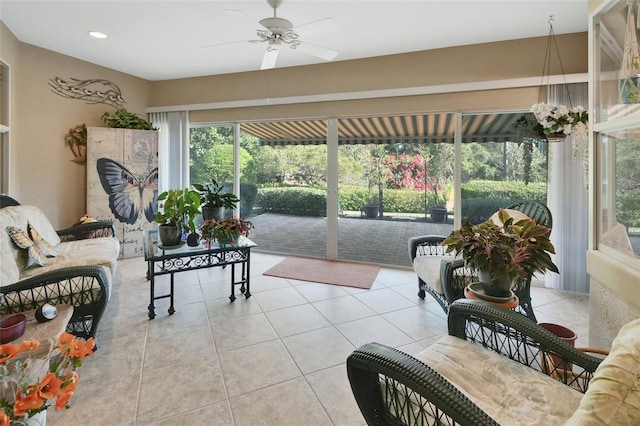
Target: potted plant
[
  {"x": 501, "y": 254},
  {"x": 123, "y": 119},
  {"x": 226, "y": 231},
  {"x": 214, "y": 201},
  {"x": 438, "y": 211},
  {"x": 558, "y": 121},
  {"x": 179, "y": 209}
]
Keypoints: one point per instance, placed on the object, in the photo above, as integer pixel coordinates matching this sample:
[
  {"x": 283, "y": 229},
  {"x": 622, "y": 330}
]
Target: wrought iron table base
[{"x": 190, "y": 262}]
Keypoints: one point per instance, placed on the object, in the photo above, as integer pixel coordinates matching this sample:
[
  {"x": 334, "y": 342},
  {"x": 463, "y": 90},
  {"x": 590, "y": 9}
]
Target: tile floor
[{"x": 274, "y": 359}]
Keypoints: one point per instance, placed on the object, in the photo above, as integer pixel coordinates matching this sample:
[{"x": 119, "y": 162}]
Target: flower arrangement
[
  {"x": 227, "y": 229},
  {"x": 20, "y": 396},
  {"x": 560, "y": 119},
  {"x": 504, "y": 252}
]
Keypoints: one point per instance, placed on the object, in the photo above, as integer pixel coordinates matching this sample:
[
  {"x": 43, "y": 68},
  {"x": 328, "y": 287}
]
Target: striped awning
[{"x": 419, "y": 128}]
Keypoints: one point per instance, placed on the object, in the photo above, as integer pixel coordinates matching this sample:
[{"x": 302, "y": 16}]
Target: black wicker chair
[
  {"x": 394, "y": 388},
  {"x": 89, "y": 284},
  {"x": 454, "y": 276},
  {"x": 6, "y": 201}
]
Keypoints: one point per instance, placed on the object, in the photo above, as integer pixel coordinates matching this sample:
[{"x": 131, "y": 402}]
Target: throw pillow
[
  {"x": 22, "y": 240},
  {"x": 41, "y": 243}
]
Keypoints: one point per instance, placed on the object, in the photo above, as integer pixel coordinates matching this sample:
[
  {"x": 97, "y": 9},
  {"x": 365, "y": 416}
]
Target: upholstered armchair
[
  {"x": 496, "y": 367},
  {"x": 445, "y": 277}
]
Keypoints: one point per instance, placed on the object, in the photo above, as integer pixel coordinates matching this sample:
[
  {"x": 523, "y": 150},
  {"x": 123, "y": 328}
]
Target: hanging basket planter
[
  {"x": 554, "y": 137},
  {"x": 630, "y": 67}
]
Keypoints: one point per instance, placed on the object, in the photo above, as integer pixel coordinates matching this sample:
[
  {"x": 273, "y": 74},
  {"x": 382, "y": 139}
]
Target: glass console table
[{"x": 163, "y": 261}]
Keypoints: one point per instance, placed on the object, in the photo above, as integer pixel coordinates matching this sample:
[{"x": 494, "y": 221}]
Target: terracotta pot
[{"x": 564, "y": 334}]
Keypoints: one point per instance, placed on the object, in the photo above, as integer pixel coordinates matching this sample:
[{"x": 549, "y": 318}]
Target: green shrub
[
  {"x": 628, "y": 209},
  {"x": 295, "y": 201},
  {"x": 508, "y": 190}
]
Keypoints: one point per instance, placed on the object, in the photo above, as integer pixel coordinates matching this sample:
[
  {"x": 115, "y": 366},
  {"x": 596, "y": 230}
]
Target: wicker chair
[
  {"x": 89, "y": 284},
  {"x": 6, "y": 201},
  {"x": 454, "y": 276},
  {"x": 394, "y": 388}
]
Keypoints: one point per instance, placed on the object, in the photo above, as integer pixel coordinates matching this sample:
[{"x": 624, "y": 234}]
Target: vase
[
  {"x": 39, "y": 419},
  {"x": 495, "y": 285},
  {"x": 169, "y": 235}
]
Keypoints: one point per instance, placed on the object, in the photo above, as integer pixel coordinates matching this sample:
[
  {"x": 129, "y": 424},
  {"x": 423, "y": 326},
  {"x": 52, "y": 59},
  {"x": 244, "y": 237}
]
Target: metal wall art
[{"x": 93, "y": 91}]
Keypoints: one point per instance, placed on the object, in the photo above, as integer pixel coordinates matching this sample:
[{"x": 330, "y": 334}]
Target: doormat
[{"x": 326, "y": 272}]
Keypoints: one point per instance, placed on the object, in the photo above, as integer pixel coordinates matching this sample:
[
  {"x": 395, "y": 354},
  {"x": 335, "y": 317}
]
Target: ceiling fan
[{"x": 278, "y": 32}]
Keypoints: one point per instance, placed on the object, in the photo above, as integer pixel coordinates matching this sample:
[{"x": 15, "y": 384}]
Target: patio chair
[
  {"x": 493, "y": 368},
  {"x": 445, "y": 277}
]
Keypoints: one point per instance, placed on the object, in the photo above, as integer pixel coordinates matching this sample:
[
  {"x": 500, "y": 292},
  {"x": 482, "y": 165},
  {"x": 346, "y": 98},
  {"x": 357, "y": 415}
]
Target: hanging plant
[{"x": 123, "y": 119}]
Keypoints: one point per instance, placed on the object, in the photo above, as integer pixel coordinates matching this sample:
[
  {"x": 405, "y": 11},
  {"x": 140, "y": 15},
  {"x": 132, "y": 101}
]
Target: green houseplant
[
  {"x": 503, "y": 253},
  {"x": 179, "y": 209},
  {"x": 123, "y": 119},
  {"x": 214, "y": 201}
]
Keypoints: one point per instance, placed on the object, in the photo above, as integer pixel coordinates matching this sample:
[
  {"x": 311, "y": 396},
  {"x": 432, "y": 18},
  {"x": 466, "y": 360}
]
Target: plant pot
[
  {"x": 193, "y": 240},
  {"x": 371, "y": 210},
  {"x": 170, "y": 235},
  {"x": 438, "y": 214},
  {"x": 564, "y": 334},
  {"x": 209, "y": 213},
  {"x": 228, "y": 241},
  {"x": 495, "y": 286}
]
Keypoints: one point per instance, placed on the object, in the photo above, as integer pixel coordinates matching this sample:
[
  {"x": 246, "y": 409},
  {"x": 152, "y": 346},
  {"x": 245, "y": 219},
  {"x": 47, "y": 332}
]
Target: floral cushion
[
  {"x": 613, "y": 396},
  {"x": 509, "y": 392}
]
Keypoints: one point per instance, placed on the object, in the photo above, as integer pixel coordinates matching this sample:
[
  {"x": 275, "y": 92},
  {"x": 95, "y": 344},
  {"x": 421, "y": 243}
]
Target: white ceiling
[{"x": 160, "y": 40}]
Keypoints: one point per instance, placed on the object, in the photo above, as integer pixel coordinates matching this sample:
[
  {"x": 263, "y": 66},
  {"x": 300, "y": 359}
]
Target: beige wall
[
  {"x": 42, "y": 170},
  {"x": 465, "y": 64}
]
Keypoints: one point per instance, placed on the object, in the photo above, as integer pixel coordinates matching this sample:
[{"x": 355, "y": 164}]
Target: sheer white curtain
[
  {"x": 173, "y": 149},
  {"x": 567, "y": 198}
]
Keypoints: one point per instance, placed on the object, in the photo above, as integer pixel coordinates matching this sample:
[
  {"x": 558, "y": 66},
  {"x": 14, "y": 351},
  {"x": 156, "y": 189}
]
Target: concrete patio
[{"x": 377, "y": 241}]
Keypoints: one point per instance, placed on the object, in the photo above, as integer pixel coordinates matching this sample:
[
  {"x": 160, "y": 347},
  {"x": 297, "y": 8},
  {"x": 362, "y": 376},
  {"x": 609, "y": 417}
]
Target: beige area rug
[{"x": 325, "y": 271}]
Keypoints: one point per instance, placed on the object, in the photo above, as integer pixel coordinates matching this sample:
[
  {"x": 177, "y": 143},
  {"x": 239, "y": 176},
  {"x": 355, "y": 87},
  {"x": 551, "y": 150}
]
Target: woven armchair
[
  {"x": 394, "y": 388},
  {"x": 85, "y": 287},
  {"x": 453, "y": 276}
]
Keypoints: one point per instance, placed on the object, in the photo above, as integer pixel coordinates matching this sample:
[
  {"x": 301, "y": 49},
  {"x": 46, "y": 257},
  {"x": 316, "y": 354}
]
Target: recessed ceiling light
[{"x": 97, "y": 34}]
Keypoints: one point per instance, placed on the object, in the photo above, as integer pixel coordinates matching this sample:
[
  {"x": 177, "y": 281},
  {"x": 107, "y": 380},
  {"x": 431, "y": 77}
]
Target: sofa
[
  {"x": 498, "y": 367},
  {"x": 40, "y": 265}
]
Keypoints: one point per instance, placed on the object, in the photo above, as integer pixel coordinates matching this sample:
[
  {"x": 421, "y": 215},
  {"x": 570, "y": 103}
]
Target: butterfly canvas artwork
[
  {"x": 129, "y": 195},
  {"x": 122, "y": 182}
]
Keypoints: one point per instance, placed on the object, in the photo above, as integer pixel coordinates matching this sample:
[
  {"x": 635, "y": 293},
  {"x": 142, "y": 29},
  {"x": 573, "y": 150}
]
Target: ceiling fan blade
[
  {"x": 322, "y": 26},
  {"x": 269, "y": 58},
  {"x": 233, "y": 43},
  {"x": 245, "y": 18},
  {"x": 320, "y": 52}
]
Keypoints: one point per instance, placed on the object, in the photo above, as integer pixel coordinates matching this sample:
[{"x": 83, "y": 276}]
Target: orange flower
[
  {"x": 49, "y": 386},
  {"x": 29, "y": 345},
  {"x": 8, "y": 351},
  {"x": 30, "y": 401},
  {"x": 65, "y": 396},
  {"x": 4, "y": 419},
  {"x": 79, "y": 349}
]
